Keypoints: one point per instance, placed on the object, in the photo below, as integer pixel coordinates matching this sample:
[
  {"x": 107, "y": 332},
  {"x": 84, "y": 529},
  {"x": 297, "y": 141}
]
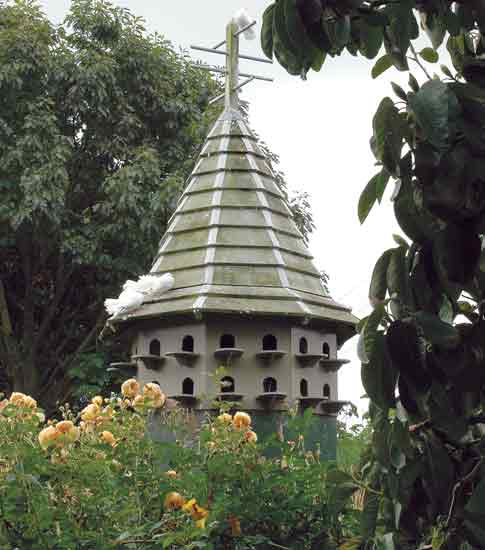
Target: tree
[
  {"x": 99, "y": 126},
  {"x": 98, "y": 122},
  {"x": 423, "y": 345}
]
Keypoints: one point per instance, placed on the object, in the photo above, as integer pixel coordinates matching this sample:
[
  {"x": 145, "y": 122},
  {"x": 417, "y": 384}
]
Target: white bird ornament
[
  {"x": 242, "y": 19},
  {"x": 134, "y": 293}
]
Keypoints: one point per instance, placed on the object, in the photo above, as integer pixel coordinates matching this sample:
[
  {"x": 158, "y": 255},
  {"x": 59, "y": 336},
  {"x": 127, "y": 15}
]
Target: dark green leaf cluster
[{"x": 422, "y": 348}]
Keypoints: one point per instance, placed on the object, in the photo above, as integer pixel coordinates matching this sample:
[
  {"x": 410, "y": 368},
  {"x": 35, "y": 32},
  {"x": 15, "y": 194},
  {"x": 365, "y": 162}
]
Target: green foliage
[
  {"x": 99, "y": 481},
  {"x": 97, "y": 121},
  {"x": 422, "y": 347}
]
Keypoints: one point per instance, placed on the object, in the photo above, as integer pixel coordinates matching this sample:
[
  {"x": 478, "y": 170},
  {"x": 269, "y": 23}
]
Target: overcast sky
[{"x": 320, "y": 129}]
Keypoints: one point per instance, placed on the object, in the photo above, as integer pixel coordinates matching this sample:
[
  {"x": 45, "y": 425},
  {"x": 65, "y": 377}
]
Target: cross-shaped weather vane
[{"x": 239, "y": 24}]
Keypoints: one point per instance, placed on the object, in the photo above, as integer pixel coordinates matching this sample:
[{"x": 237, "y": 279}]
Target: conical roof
[{"x": 232, "y": 244}]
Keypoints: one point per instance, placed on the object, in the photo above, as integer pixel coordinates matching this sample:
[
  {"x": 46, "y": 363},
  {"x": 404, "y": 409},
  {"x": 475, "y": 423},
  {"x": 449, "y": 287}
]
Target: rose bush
[{"x": 95, "y": 479}]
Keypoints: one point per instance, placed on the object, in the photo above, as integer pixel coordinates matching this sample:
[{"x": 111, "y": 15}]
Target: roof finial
[
  {"x": 239, "y": 24},
  {"x": 232, "y": 65}
]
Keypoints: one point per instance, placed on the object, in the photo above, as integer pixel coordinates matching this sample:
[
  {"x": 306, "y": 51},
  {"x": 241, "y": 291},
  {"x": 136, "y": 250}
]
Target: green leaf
[
  {"x": 378, "y": 284},
  {"x": 397, "y": 277},
  {"x": 379, "y": 376},
  {"x": 381, "y": 184},
  {"x": 475, "y": 507},
  {"x": 401, "y": 94},
  {"x": 267, "y": 32},
  {"x": 370, "y": 330},
  {"x": 370, "y": 39},
  {"x": 368, "y": 520},
  {"x": 381, "y": 65},
  {"x": 367, "y": 199},
  {"x": 436, "y": 110},
  {"x": 407, "y": 355},
  {"x": 429, "y": 55},
  {"x": 297, "y": 35},
  {"x": 413, "y": 83},
  {"x": 388, "y": 135},
  {"x": 437, "y": 331},
  {"x": 400, "y": 241}
]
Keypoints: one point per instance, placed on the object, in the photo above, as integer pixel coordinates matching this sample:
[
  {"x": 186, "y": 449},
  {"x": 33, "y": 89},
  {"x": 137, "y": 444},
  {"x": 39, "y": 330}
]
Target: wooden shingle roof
[{"x": 232, "y": 244}]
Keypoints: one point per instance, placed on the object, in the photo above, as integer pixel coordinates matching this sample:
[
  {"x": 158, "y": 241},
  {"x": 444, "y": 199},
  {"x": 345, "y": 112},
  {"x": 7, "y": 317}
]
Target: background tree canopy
[
  {"x": 423, "y": 346},
  {"x": 99, "y": 127}
]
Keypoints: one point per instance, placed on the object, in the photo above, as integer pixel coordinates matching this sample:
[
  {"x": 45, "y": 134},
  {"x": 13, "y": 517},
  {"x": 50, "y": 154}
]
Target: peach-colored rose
[
  {"x": 48, "y": 436},
  {"x": 173, "y": 501},
  {"x": 90, "y": 412},
  {"x": 171, "y": 474},
  {"x": 108, "y": 437},
  {"x": 69, "y": 432},
  {"x": 97, "y": 400},
  {"x": 21, "y": 400},
  {"x": 225, "y": 418},
  {"x": 138, "y": 402},
  {"x": 153, "y": 395},
  {"x": 130, "y": 388},
  {"x": 241, "y": 420},
  {"x": 251, "y": 436}
]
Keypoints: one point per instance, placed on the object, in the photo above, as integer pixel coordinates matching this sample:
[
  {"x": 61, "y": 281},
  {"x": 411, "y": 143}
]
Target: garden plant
[
  {"x": 97, "y": 479},
  {"x": 423, "y": 346}
]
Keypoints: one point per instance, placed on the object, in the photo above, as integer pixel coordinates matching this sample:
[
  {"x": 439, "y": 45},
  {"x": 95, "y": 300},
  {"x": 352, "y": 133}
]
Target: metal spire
[{"x": 231, "y": 70}]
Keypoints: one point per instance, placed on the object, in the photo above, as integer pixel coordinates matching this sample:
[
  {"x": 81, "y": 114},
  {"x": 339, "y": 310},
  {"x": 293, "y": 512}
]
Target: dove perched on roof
[
  {"x": 242, "y": 19},
  {"x": 134, "y": 293}
]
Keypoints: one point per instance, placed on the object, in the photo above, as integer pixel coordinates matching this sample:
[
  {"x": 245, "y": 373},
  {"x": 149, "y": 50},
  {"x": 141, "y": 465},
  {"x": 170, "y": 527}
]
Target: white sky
[{"x": 320, "y": 129}]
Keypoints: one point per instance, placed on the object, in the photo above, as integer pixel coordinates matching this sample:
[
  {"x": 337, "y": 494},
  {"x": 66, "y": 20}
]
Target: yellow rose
[
  {"x": 90, "y": 413},
  {"x": 241, "y": 420},
  {"x": 130, "y": 388},
  {"x": 98, "y": 400},
  {"x": 48, "y": 436},
  {"x": 17, "y": 398},
  {"x": 138, "y": 402},
  {"x": 108, "y": 437},
  {"x": 67, "y": 429},
  {"x": 251, "y": 436},
  {"x": 21, "y": 400},
  {"x": 173, "y": 501},
  {"x": 225, "y": 418},
  {"x": 200, "y": 523},
  {"x": 153, "y": 395}
]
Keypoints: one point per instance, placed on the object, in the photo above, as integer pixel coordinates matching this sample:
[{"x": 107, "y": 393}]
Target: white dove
[
  {"x": 242, "y": 19},
  {"x": 134, "y": 293}
]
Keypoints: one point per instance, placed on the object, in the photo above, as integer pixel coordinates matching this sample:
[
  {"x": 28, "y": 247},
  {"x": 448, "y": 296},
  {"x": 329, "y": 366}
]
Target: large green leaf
[
  {"x": 378, "y": 284},
  {"x": 475, "y": 507},
  {"x": 367, "y": 199},
  {"x": 437, "y": 331},
  {"x": 407, "y": 354},
  {"x": 397, "y": 280},
  {"x": 297, "y": 34},
  {"x": 429, "y": 55},
  {"x": 379, "y": 376},
  {"x": 388, "y": 135},
  {"x": 440, "y": 474},
  {"x": 381, "y": 65},
  {"x": 267, "y": 31},
  {"x": 370, "y": 39},
  {"x": 370, "y": 330},
  {"x": 436, "y": 109},
  {"x": 287, "y": 56}
]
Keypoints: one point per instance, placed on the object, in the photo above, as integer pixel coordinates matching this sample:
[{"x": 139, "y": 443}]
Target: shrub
[{"x": 97, "y": 480}]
